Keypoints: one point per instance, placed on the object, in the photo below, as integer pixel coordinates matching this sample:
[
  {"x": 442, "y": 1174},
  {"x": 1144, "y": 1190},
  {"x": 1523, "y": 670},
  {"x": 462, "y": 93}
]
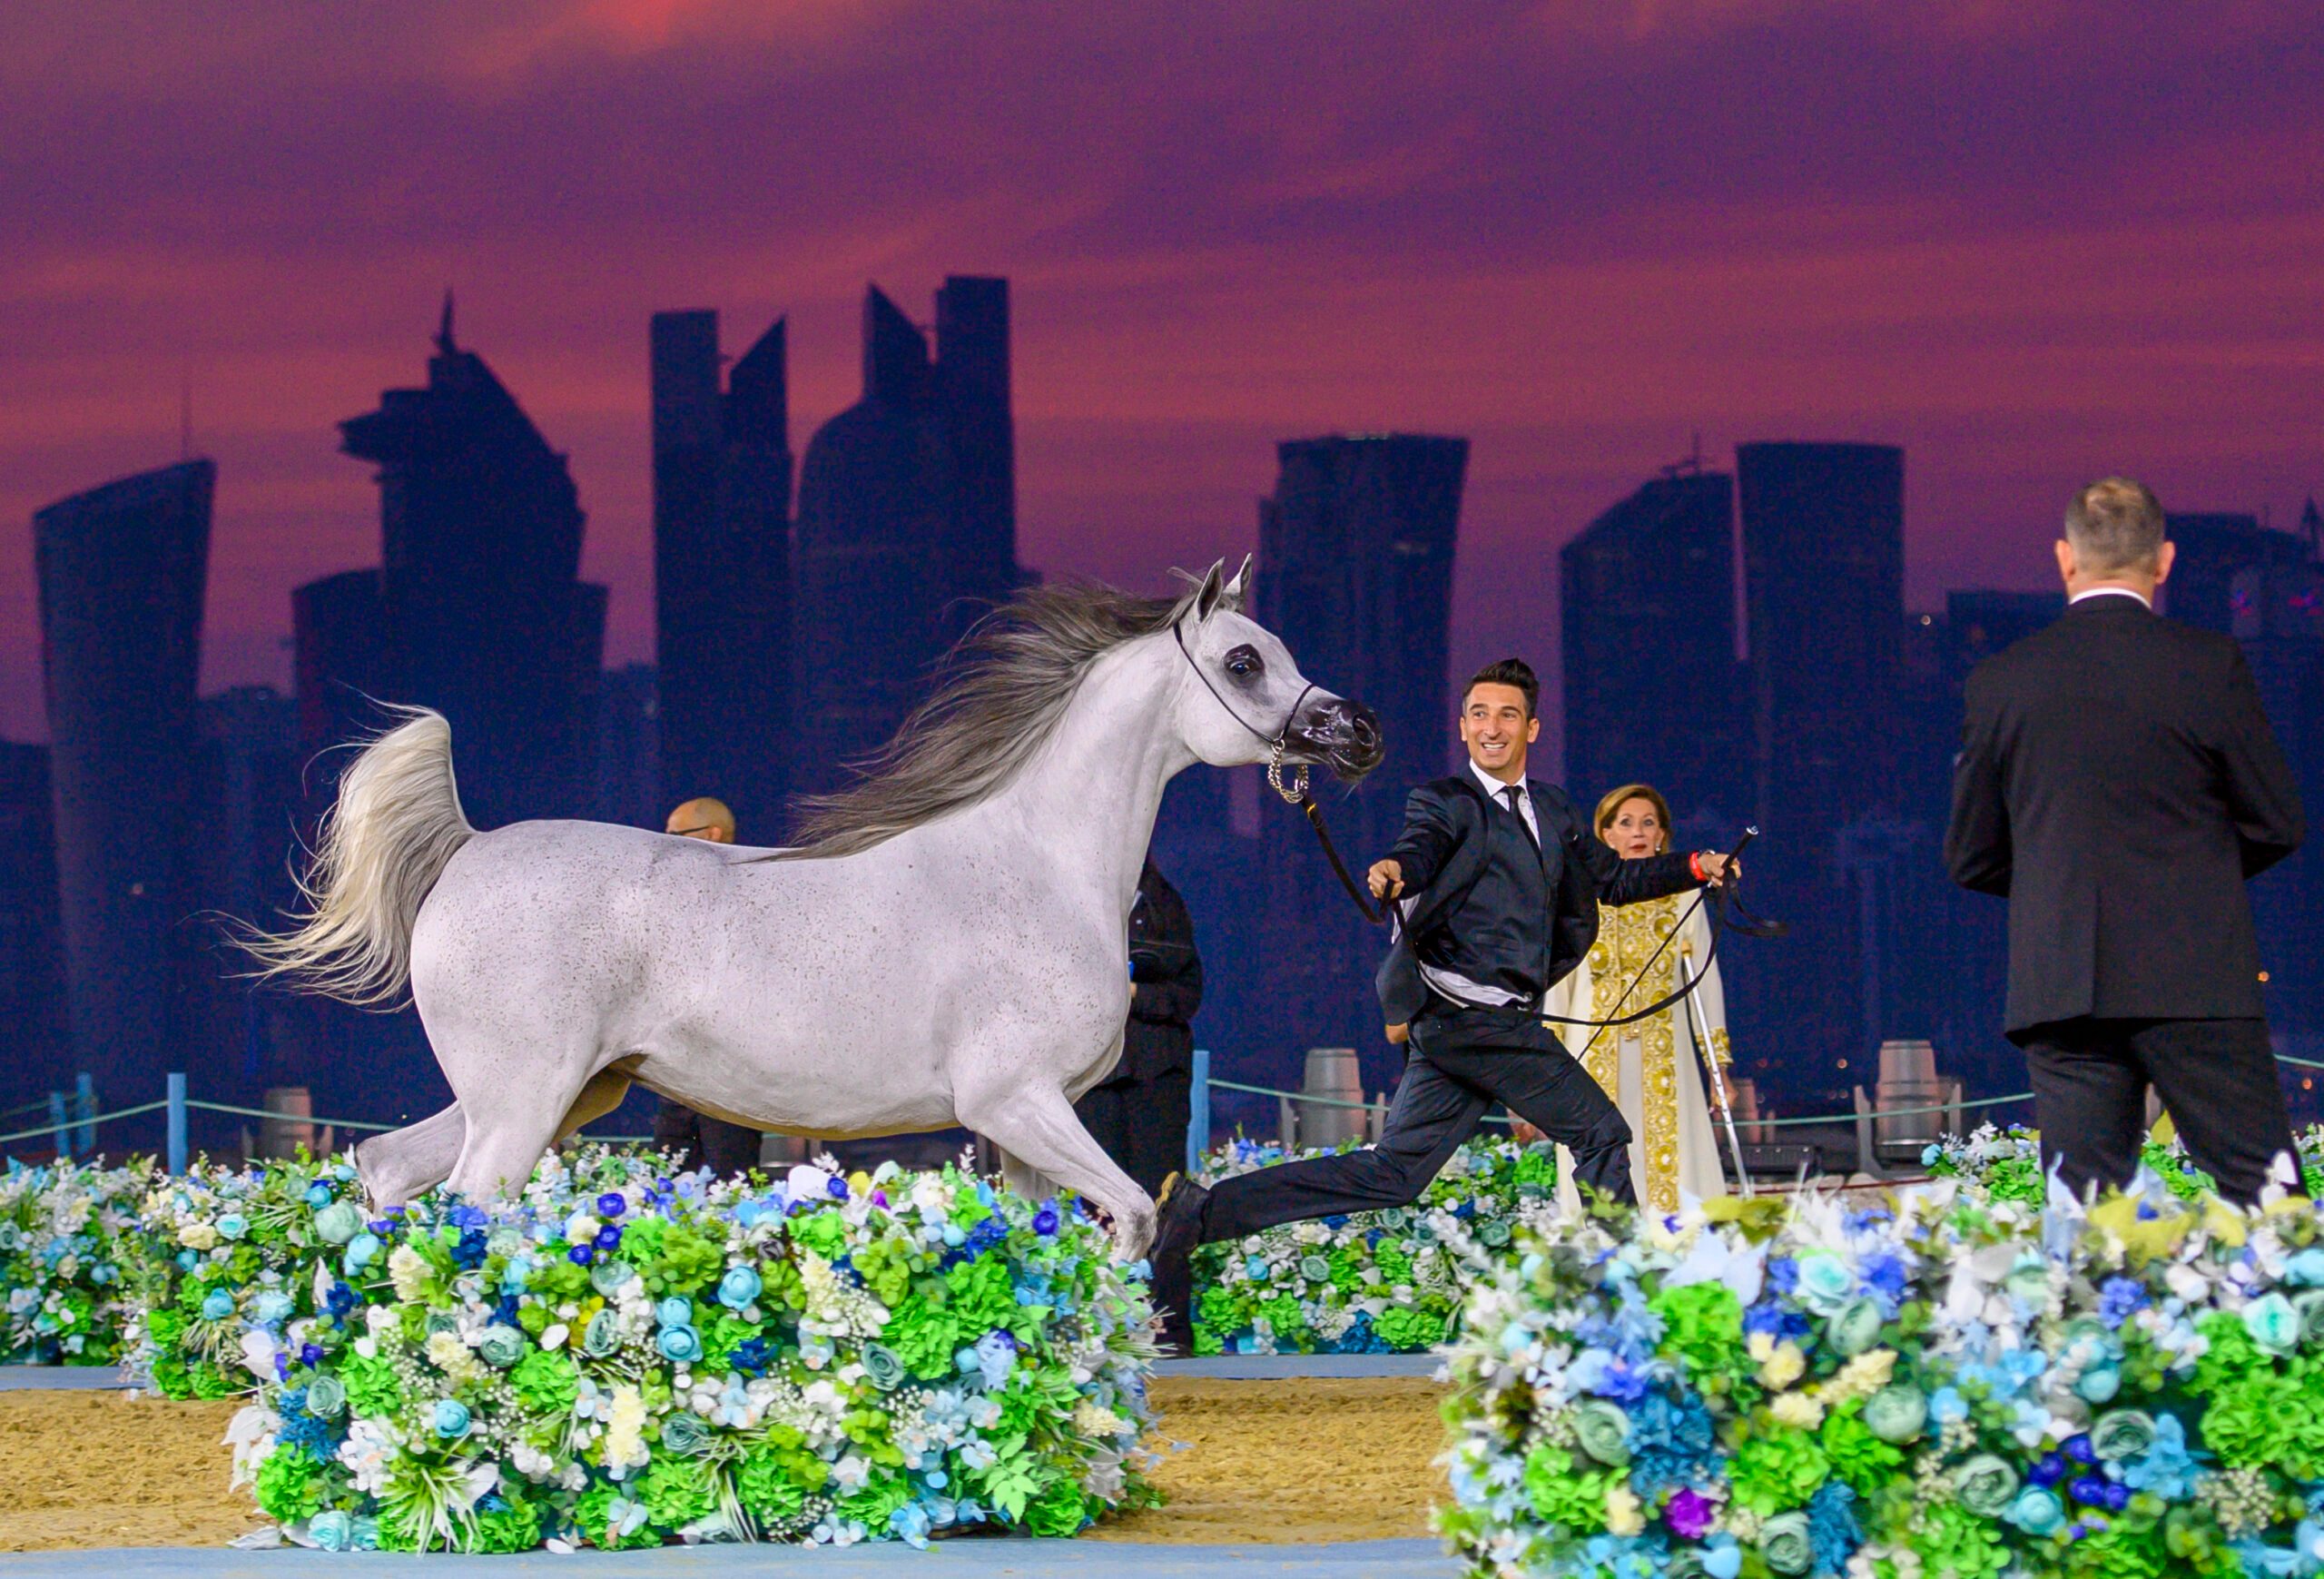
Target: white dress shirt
[{"x": 2110, "y": 592}]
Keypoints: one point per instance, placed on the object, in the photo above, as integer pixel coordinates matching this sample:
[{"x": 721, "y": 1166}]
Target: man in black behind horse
[
  {"x": 1505, "y": 880},
  {"x": 1138, "y": 1113},
  {"x": 2117, "y": 783}
]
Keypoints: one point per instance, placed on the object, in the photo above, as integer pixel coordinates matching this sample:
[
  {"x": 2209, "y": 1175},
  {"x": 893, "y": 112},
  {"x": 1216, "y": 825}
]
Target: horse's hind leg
[
  {"x": 406, "y": 1163},
  {"x": 512, "y": 1122}
]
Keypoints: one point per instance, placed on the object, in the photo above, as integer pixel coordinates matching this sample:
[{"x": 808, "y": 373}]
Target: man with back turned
[{"x": 2118, "y": 783}]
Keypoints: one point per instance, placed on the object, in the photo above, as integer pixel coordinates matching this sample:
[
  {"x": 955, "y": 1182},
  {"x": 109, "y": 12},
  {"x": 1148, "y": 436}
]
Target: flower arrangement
[
  {"x": 2007, "y": 1163},
  {"x": 1379, "y": 1282},
  {"x": 1943, "y": 1382},
  {"x": 621, "y": 1357},
  {"x": 63, "y": 1228}
]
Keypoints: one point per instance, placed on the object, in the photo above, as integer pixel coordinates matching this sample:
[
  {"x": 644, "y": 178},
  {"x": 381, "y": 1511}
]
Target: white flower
[
  {"x": 197, "y": 1236},
  {"x": 625, "y": 1429},
  {"x": 408, "y": 1270}
]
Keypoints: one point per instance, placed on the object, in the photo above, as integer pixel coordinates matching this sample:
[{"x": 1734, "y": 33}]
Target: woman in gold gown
[{"x": 1652, "y": 1068}]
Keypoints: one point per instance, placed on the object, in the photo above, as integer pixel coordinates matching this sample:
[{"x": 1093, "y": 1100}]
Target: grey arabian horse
[{"x": 945, "y": 946}]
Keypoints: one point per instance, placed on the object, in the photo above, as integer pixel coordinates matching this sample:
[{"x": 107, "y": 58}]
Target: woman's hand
[{"x": 1386, "y": 879}]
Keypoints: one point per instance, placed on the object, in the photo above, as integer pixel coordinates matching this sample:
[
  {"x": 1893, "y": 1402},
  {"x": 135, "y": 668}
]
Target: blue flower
[
  {"x": 580, "y": 1255},
  {"x": 318, "y": 1195},
  {"x": 609, "y": 1237},
  {"x": 612, "y": 1204},
  {"x": 451, "y": 1417},
  {"x": 2119, "y": 1298},
  {"x": 2168, "y": 1468},
  {"x": 739, "y": 1286},
  {"x": 1783, "y": 1274},
  {"x": 1045, "y": 1221},
  {"x": 682, "y": 1345},
  {"x": 216, "y": 1305},
  {"x": 675, "y": 1311},
  {"x": 1832, "y": 1528}
]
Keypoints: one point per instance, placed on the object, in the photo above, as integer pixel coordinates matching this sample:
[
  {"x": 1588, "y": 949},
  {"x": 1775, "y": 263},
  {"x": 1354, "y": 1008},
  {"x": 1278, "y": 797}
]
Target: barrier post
[
  {"x": 1198, "y": 1112},
  {"x": 85, "y": 1108},
  {"x": 176, "y": 1146},
  {"x": 57, "y": 1121}
]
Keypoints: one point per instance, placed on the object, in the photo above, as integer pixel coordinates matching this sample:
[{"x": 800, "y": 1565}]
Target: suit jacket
[
  {"x": 1160, "y": 1039},
  {"x": 2117, "y": 783},
  {"x": 1442, "y": 851}
]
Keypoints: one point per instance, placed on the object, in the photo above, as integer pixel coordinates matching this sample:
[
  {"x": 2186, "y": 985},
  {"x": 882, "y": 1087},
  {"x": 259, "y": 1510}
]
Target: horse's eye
[{"x": 1243, "y": 663}]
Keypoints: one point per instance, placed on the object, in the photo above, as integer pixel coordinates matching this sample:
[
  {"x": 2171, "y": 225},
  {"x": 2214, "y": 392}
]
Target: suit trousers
[
  {"x": 2217, "y": 1076},
  {"x": 1461, "y": 1061},
  {"x": 702, "y": 1141},
  {"x": 1141, "y": 1124}
]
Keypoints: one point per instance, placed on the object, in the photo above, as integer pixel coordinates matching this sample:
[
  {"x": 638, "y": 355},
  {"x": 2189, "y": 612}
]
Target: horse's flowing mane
[{"x": 999, "y": 696}]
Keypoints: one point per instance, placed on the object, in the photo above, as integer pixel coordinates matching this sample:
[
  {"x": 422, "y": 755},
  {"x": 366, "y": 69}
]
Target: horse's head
[{"x": 1246, "y": 692}]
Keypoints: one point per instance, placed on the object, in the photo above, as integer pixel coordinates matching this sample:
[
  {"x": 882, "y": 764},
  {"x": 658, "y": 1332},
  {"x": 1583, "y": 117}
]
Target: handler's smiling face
[{"x": 1497, "y": 726}]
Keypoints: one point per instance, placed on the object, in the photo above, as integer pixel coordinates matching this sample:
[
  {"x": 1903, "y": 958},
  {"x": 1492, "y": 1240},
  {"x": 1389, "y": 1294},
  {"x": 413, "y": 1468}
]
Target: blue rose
[
  {"x": 232, "y": 1226},
  {"x": 333, "y": 1530},
  {"x": 611, "y": 1204},
  {"x": 2036, "y": 1511},
  {"x": 2272, "y": 1323},
  {"x": 609, "y": 1278},
  {"x": 451, "y": 1417},
  {"x": 216, "y": 1305},
  {"x": 2098, "y": 1384},
  {"x": 2306, "y": 1268},
  {"x": 337, "y": 1222},
  {"x": 318, "y": 1195},
  {"x": 362, "y": 1250},
  {"x": 680, "y": 1345},
  {"x": 674, "y": 1312},
  {"x": 738, "y": 1287},
  {"x": 270, "y": 1307},
  {"x": 1825, "y": 1283}
]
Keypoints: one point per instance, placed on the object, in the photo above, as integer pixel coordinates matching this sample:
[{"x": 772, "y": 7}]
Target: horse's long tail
[{"x": 396, "y": 824}]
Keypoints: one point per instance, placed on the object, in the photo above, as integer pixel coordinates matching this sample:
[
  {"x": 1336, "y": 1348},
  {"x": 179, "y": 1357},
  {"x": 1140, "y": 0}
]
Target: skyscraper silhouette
[
  {"x": 482, "y": 614},
  {"x": 121, "y": 570},
  {"x": 1355, "y": 574},
  {"x": 1646, "y": 603},
  {"x": 32, "y": 936},
  {"x": 722, "y": 568},
  {"x": 907, "y": 524},
  {"x": 1824, "y": 564}
]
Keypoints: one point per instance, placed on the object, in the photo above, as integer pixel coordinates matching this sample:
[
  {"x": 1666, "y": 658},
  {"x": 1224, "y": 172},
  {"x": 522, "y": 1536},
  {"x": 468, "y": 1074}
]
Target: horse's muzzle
[{"x": 1340, "y": 735}]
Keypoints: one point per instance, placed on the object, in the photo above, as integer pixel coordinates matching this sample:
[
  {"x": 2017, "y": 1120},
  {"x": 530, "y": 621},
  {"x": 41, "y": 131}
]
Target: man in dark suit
[
  {"x": 697, "y": 1140},
  {"x": 2117, "y": 783},
  {"x": 1138, "y": 1113},
  {"x": 1504, "y": 882}
]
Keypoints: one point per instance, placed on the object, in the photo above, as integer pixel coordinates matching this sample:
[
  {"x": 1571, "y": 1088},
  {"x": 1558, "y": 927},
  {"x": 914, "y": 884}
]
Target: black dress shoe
[{"x": 1178, "y": 1230}]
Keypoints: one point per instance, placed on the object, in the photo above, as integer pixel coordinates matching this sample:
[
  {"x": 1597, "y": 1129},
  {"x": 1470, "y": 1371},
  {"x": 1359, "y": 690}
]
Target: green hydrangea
[
  {"x": 1576, "y": 1502},
  {"x": 1775, "y": 1470},
  {"x": 1955, "y": 1541},
  {"x": 677, "y": 1491},
  {"x": 1409, "y": 1326},
  {"x": 545, "y": 1382},
  {"x": 513, "y": 1527},
  {"x": 290, "y": 1486},
  {"x": 1058, "y": 1512},
  {"x": 1859, "y": 1458}
]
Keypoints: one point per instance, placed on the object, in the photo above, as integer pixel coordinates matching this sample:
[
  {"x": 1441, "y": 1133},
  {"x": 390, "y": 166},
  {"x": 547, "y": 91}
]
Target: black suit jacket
[
  {"x": 2118, "y": 783},
  {"x": 1442, "y": 851},
  {"x": 1160, "y": 1039}
]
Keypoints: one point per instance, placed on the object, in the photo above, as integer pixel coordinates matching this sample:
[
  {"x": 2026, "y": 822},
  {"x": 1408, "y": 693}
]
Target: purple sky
[{"x": 2032, "y": 242}]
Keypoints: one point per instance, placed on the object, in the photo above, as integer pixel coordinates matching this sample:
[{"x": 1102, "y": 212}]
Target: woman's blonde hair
[{"x": 1610, "y": 806}]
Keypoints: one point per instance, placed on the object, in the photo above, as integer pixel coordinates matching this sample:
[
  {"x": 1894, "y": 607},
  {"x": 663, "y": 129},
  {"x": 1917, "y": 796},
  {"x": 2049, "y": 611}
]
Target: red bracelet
[{"x": 1695, "y": 862}]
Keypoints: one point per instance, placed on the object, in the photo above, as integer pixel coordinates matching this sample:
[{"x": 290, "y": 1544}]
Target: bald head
[{"x": 703, "y": 817}]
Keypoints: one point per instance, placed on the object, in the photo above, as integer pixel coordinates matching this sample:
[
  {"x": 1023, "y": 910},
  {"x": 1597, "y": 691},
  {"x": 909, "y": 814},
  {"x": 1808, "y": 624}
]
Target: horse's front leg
[{"x": 1038, "y": 1128}]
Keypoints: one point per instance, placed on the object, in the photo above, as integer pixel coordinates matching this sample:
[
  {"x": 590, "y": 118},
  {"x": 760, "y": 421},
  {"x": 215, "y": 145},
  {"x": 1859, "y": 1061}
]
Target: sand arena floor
[{"x": 1278, "y": 1462}]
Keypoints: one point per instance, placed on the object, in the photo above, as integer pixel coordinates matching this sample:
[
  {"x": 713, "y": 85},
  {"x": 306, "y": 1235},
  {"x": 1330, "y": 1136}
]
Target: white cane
[{"x": 1710, "y": 1055}]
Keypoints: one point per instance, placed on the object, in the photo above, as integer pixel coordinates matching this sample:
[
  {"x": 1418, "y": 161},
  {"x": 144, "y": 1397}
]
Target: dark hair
[
  {"x": 1514, "y": 672},
  {"x": 2114, "y": 525}
]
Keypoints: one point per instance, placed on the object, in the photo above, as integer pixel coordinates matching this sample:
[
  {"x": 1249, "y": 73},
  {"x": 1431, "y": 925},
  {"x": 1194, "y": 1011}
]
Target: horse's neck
[{"x": 1088, "y": 801}]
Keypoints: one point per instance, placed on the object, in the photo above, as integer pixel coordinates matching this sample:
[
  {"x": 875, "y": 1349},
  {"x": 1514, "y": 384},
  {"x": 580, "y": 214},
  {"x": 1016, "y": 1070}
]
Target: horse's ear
[
  {"x": 1206, "y": 596},
  {"x": 1231, "y": 596}
]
